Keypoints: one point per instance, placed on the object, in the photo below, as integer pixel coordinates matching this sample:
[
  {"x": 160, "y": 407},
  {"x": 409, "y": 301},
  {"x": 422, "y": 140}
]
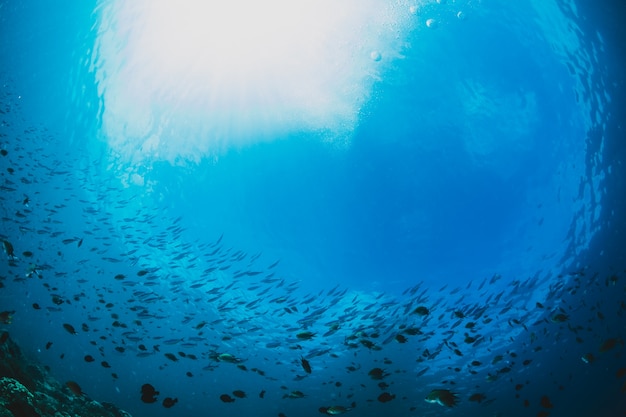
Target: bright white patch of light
[{"x": 185, "y": 79}]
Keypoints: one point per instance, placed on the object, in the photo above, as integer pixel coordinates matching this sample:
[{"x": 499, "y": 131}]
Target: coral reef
[{"x": 26, "y": 390}]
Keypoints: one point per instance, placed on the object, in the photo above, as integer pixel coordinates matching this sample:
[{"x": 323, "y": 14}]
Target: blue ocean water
[{"x": 445, "y": 204}]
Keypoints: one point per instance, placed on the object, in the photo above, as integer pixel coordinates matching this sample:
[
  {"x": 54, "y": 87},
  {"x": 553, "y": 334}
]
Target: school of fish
[{"x": 117, "y": 281}]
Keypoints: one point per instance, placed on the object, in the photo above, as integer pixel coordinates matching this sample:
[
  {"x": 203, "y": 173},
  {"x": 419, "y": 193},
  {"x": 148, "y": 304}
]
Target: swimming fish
[
  {"x": 421, "y": 311},
  {"x": 478, "y": 397},
  {"x": 305, "y": 365},
  {"x": 335, "y": 410},
  {"x": 75, "y": 388},
  {"x": 227, "y": 398},
  {"x": 148, "y": 393},
  {"x": 169, "y": 402},
  {"x": 8, "y": 249},
  {"x": 294, "y": 394},
  {"x": 588, "y": 358},
  {"x": 225, "y": 357},
  {"x": 6, "y": 317},
  {"x": 305, "y": 335},
  {"x": 377, "y": 373},
  {"x": 239, "y": 394},
  {"x": 559, "y": 318},
  {"x": 609, "y": 344},
  {"x": 32, "y": 269},
  {"x": 385, "y": 397},
  {"x": 70, "y": 329},
  {"x": 442, "y": 397},
  {"x": 545, "y": 402}
]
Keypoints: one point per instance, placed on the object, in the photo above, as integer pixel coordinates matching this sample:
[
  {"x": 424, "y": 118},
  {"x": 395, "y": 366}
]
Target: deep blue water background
[{"x": 405, "y": 204}]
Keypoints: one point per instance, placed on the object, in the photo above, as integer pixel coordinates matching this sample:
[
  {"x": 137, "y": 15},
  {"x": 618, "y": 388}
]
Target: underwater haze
[{"x": 315, "y": 207}]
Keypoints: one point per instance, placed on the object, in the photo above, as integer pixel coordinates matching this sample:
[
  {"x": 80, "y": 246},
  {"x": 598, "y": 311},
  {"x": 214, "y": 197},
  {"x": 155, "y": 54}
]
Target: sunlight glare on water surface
[{"x": 184, "y": 80}]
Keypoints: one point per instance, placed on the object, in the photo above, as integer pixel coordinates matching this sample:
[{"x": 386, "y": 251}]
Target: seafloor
[{"x": 27, "y": 390}]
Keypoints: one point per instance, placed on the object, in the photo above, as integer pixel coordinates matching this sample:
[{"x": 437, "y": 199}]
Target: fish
[
  {"x": 70, "y": 329},
  {"x": 497, "y": 359},
  {"x": 75, "y": 388},
  {"x": 227, "y": 398},
  {"x": 423, "y": 371},
  {"x": 239, "y": 394},
  {"x": 305, "y": 335},
  {"x": 226, "y": 357},
  {"x": 609, "y": 344},
  {"x": 148, "y": 393},
  {"x": 273, "y": 265},
  {"x": 385, "y": 397},
  {"x": 559, "y": 318},
  {"x": 8, "y": 249},
  {"x": 478, "y": 397},
  {"x": 421, "y": 311},
  {"x": 588, "y": 358},
  {"x": 413, "y": 331},
  {"x": 442, "y": 397},
  {"x": 305, "y": 365},
  {"x": 369, "y": 344},
  {"x": 545, "y": 402},
  {"x": 377, "y": 373},
  {"x": 294, "y": 394},
  {"x": 335, "y": 410},
  {"x": 169, "y": 402},
  {"x": 6, "y": 317}
]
